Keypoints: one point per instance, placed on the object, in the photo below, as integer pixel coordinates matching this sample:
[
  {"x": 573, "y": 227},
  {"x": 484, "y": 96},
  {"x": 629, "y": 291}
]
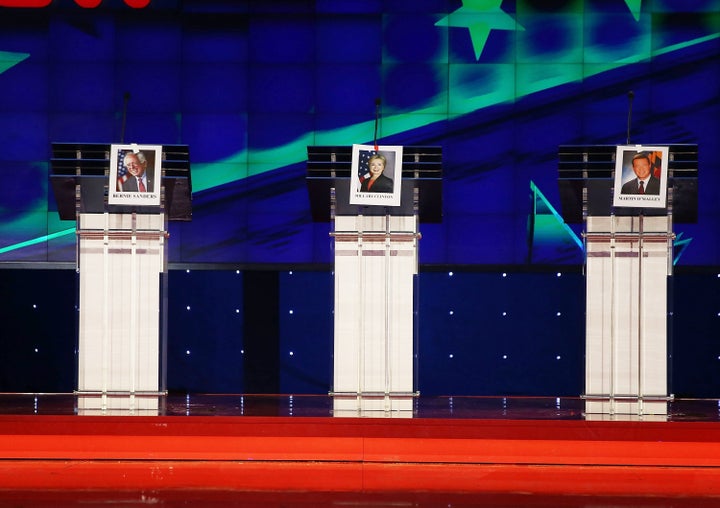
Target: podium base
[
  {"x": 626, "y": 407},
  {"x": 120, "y": 403},
  {"x": 377, "y": 405}
]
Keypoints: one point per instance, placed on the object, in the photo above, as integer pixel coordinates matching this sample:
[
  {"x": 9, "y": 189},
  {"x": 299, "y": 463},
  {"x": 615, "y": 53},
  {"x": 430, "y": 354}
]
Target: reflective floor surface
[{"x": 462, "y": 407}]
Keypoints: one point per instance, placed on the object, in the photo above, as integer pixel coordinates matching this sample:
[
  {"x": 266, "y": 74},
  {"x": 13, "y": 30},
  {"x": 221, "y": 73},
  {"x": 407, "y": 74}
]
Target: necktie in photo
[
  {"x": 641, "y": 188},
  {"x": 141, "y": 185}
]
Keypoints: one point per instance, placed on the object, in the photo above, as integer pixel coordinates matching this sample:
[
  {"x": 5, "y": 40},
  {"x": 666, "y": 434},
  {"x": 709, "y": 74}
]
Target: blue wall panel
[{"x": 479, "y": 333}]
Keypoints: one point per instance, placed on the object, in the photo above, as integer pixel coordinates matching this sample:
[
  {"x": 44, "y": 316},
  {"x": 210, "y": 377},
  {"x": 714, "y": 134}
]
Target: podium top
[
  {"x": 87, "y": 165},
  {"x": 585, "y": 179},
  {"x": 330, "y": 167}
]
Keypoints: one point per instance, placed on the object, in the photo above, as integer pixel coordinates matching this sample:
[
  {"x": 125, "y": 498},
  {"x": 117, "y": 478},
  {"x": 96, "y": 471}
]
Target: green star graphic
[
  {"x": 634, "y": 6},
  {"x": 480, "y": 17},
  {"x": 8, "y": 59}
]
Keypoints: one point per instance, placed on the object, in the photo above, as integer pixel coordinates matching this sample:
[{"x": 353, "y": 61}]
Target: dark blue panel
[
  {"x": 488, "y": 183},
  {"x": 347, "y": 89},
  {"x": 23, "y": 88},
  {"x": 281, "y": 88},
  {"x": 224, "y": 241},
  {"x": 21, "y": 133},
  {"x": 439, "y": 6},
  {"x": 215, "y": 7},
  {"x": 289, "y": 39},
  {"x": 306, "y": 332},
  {"x": 82, "y": 39},
  {"x": 487, "y": 334},
  {"x": 152, "y": 128},
  {"x": 329, "y": 119},
  {"x": 147, "y": 41},
  {"x": 595, "y": 6},
  {"x": 487, "y": 238},
  {"x": 322, "y": 245},
  {"x": 91, "y": 127},
  {"x": 157, "y": 88},
  {"x": 432, "y": 248},
  {"x": 694, "y": 345},
  {"x": 412, "y": 86},
  {"x": 205, "y": 342},
  {"x": 611, "y": 34},
  {"x": 23, "y": 189},
  {"x": 273, "y": 130},
  {"x": 429, "y": 43},
  {"x": 215, "y": 136},
  {"x": 349, "y": 39},
  {"x": 349, "y": 6},
  {"x": 286, "y": 7},
  {"x": 82, "y": 87},
  {"x": 212, "y": 38},
  {"x": 38, "y": 331}
]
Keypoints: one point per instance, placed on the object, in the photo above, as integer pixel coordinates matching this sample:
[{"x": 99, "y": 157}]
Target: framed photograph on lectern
[
  {"x": 376, "y": 175},
  {"x": 641, "y": 176},
  {"x": 135, "y": 172}
]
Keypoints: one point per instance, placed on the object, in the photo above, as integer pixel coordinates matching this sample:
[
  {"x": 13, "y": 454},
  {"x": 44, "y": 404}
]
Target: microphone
[
  {"x": 126, "y": 99},
  {"x": 377, "y": 120},
  {"x": 631, "y": 96}
]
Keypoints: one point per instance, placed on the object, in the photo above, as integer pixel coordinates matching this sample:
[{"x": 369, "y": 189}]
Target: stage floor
[
  {"x": 293, "y": 450},
  {"x": 443, "y": 407}
]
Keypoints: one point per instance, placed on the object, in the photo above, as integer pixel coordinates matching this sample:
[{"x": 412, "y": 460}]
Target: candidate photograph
[
  {"x": 377, "y": 181},
  {"x": 134, "y": 172},
  {"x": 644, "y": 180}
]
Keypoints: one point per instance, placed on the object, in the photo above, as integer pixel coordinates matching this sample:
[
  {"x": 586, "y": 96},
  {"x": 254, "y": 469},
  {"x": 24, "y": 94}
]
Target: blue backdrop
[{"x": 499, "y": 85}]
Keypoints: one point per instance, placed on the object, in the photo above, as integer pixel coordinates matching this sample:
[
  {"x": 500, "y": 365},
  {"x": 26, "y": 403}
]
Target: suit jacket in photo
[
  {"x": 631, "y": 187},
  {"x": 131, "y": 184}
]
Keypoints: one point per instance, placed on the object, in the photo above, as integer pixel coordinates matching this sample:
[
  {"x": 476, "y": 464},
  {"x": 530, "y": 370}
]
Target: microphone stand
[
  {"x": 126, "y": 99},
  {"x": 377, "y": 120},
  {"x": 631, "y": 96}
]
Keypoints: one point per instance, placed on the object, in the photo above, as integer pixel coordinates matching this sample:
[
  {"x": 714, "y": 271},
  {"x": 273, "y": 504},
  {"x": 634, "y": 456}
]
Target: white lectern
[
  {"x": 375, "y": 263},
  {"x": 628, "y": 262},
  {"x": 629, "y": 259},
  {"x": 122, "y": 267},
  {"x": 375, "y": 269},
  {"x": 122, "y": 259}
]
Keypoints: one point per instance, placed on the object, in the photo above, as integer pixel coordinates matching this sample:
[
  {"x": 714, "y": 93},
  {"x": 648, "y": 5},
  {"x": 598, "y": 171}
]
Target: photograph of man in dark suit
[
  {"x": 645, "y": 182},
  {"x": 139, "y": 179}
]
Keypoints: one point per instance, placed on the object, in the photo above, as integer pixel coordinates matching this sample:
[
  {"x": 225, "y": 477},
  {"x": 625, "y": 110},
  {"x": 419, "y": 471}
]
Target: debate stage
[{"x": 283, "y": 450}]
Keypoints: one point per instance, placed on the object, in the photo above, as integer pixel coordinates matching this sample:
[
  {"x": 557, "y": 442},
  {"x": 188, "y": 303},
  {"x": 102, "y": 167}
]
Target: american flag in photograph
[
  {"x": 122, "y": 175},
  {"x": 363, "y": 164},
  {"x": 655, "y": 163}
]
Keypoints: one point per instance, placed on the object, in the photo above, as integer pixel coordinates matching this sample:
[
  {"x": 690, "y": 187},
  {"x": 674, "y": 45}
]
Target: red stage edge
[
  {"x": 360, "y": 455},
  {"x": 306, "y": 476}
]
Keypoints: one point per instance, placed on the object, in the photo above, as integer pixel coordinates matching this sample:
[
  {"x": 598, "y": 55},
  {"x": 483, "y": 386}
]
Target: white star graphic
[{"x": 480, "y": 17}]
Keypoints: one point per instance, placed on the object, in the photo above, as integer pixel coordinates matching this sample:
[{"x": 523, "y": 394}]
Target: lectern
[
  {"x": 375, "y": 330},
  {"x": 628, "y": 262},
  {"x": 122, "y": 266}
]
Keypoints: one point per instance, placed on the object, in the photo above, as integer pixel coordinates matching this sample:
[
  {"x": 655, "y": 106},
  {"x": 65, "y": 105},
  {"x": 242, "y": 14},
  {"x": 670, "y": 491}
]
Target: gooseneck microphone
[
  {"x": 126, "y": 99},
  {"x": 377, "y": 120},
  {"x": 631, "y": 96}
]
